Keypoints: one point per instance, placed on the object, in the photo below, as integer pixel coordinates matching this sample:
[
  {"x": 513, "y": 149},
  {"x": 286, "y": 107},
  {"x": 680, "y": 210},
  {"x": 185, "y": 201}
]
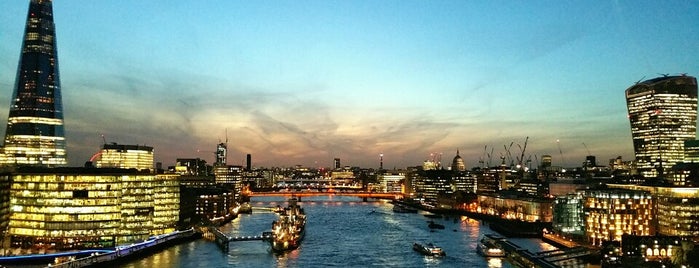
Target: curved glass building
[
  {"x": 663, "y": 114},
  {"x": 34, "y": 134}
]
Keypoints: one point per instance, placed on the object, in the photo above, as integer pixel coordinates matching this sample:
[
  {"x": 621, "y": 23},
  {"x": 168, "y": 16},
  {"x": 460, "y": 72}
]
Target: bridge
[
  {"x": 223, "y": 240},
  {"x": 363, "y": 195}
]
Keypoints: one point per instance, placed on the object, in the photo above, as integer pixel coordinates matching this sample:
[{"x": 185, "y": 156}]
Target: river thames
[{"x": 340, "y": 232}]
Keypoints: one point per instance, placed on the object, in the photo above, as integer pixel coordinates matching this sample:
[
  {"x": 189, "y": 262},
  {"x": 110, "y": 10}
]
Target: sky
[{"x": 303, "y": 82}]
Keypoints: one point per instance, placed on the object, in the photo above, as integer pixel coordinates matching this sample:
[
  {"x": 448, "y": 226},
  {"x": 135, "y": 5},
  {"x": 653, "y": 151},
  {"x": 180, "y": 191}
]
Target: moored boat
[
  {"x": 399, "y": 208},
  {"x": 429, "y": 250},
  {"x": 434, "y": 225},
  {"x": 432, "y": 216},
  {"x": 290, "y": 229},
  {"x": 488, "y": 246}
]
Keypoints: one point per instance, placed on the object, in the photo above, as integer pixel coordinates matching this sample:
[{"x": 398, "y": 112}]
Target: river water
[{"x": 340, "y": 232}]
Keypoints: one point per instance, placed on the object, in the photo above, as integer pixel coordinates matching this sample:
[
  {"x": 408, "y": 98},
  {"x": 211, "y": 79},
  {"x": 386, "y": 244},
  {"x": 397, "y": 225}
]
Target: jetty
[{"x": 223, "y": 241}]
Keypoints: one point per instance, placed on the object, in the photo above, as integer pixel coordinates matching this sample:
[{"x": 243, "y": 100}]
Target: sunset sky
[{"x": 303, "y": 82}]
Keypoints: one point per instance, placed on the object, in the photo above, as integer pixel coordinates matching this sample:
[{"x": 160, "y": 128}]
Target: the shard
[{"x": 34, "y": 134}]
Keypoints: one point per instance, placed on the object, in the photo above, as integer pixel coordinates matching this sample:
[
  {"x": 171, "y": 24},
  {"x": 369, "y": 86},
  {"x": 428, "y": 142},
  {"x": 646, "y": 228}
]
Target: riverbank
[
  {"x": 91, "y": 258},
  {"x": 509, "y": 228}
]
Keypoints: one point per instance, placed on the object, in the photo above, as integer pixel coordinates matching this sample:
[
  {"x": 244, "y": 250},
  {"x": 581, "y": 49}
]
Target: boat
[
  {"x": 245, "y": 208},
  {"x": 429, "y": 250},
  {"x": 434, "y": 225},
  {"x": 278, "y": 209},
  {"x": 488, "y": 246},
  {"x": 289, "y": 230},
  {"x": 398, "y": 208},
  {"x": 432, "y": 216}
]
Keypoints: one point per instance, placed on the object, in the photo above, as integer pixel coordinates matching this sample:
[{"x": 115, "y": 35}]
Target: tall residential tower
[
  {"x": 663, "y": 114},
  {"x": 34, "y": 134}
]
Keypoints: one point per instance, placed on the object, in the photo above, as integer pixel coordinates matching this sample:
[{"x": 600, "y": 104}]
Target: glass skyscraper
[
  {"x": 663, "y": 114},
  {"x": 34, "y": 134}
]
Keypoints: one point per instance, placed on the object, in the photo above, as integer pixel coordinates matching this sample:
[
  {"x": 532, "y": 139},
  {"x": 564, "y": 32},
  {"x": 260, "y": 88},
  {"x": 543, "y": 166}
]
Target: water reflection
[{"x": 341, "y": 230}]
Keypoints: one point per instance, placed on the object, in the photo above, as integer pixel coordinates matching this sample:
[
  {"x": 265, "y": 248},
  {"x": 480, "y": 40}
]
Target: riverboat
[
  {"x": 398, "y": 208},
  {"x": 488, "y": 246},
  {"x": 289, "y": 230},
  {"x": 432, "y": 216},
  {"x": 245, "y": 208},
  {"x": 429, "y": 250},
  {"x": 434, "y": 225},
  {"x": 278, "y": 209}
]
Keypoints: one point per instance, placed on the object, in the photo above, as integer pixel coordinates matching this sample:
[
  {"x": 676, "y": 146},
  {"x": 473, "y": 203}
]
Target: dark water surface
[{"x": 340, "y": 232}]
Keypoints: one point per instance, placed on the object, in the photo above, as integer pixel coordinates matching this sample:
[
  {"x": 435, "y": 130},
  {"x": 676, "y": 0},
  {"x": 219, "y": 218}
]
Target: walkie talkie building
[{"x": 663, "y": 115}]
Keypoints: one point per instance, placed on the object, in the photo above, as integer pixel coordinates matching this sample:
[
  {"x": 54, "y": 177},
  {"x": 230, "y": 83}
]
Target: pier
[
  {"x": 524, "y": 258},
  {"x": 223, "y": 240}
]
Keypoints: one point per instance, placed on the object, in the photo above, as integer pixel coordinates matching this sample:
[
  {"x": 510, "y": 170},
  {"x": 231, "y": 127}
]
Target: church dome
[{"x": 458, "y": 163}]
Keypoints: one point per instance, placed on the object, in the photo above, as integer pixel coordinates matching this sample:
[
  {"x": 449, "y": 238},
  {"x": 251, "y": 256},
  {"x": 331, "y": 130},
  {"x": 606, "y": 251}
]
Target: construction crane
[
  {"x": 481, "y": 161},
  {"x": 588, "y": 150},
  {"x": 509, "y": 155},
  {"x": 520, "y": 159},
  {"x": 560, "y": 151}
]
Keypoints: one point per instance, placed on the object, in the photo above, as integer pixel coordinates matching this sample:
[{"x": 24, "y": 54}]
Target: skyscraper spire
[{"x": 34, "y": 134}]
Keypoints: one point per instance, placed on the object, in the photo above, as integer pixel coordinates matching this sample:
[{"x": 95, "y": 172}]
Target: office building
[
  {"x": 34, "y": 134},
  {"x": 74, "y": 208},
  {"x": 568, "y": 214},
  {"x": 231, "y": 177},
  {"x": 124, "y": 156},
  {"x": 463, "y": 181},
  {"x": 248, "y": 162},
  {"x": 611, "y": 213},
  {"x": 221, "y": 154},
  {"x": 166, "y": 203},
  {"x": 392, "y": 181},
  {"x": 663, "y": 115},
  {"x": 515, "y": 206},
  {"x": 191, "y": 167},
  {"x": 691, "y": 151},
  {"x": 675, "y": 208},
  {"x": 336, "y": 163}
]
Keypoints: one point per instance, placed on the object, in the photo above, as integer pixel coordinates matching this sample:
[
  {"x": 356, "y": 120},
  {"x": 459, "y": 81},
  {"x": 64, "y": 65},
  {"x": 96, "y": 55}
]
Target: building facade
[
  {"x": 611, "y": 213},
  {"x": 663, "y": 114},
  {"x": 516, "y": 207},
  {"x": 34, "y": 134},
  {"x": 392, "y": 181},
  {"x": 568, "y": 214},
  {"x": 124, "y": 156},
  {"x": 74, "y": 208},
  {"x": 676, "y": 208},
  {"x": 231, "y": 177}
]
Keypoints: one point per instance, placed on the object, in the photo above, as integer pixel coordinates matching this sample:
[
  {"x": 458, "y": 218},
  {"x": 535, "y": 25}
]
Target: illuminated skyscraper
[
  {"x": 34, "y": 134},
  {"x": 221, "y": 154},
  {"x": 663, "y": 114}
]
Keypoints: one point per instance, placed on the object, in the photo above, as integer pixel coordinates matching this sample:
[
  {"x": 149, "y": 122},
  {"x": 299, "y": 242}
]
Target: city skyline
[{"x": 304, "y": 84}]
